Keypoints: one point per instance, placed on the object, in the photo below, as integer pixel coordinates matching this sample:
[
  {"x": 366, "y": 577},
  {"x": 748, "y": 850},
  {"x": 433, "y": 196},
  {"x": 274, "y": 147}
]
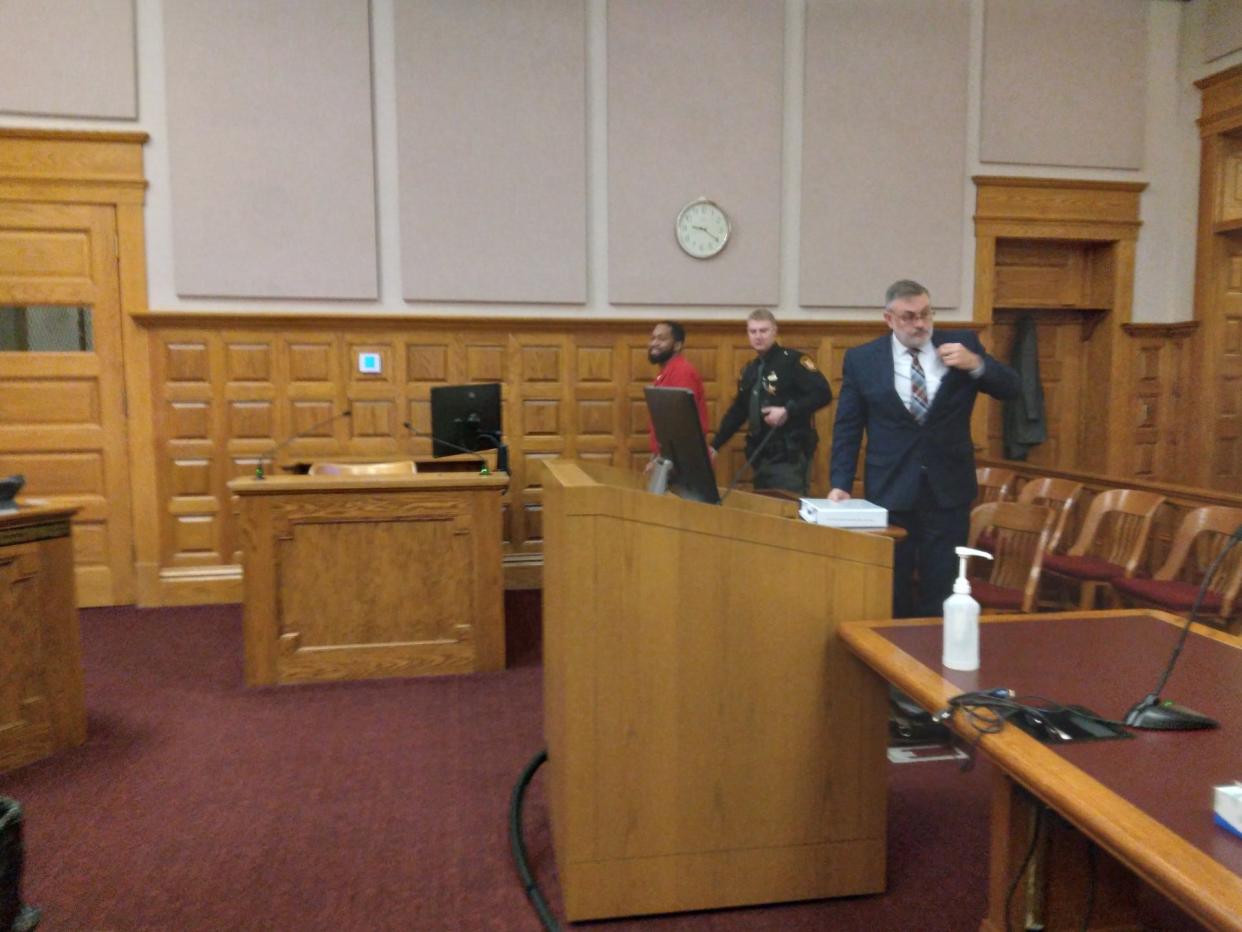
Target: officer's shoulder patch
[{"x": 807, "y": 363}]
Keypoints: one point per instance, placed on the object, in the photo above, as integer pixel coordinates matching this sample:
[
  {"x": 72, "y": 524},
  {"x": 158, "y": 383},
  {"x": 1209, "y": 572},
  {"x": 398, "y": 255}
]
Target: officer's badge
[
  {"x": 807, "y": 362},
  {"x": 770, "y": 387}
]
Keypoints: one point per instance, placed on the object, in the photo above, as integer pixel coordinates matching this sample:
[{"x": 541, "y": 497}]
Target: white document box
[{"x": 853, "y": 512}]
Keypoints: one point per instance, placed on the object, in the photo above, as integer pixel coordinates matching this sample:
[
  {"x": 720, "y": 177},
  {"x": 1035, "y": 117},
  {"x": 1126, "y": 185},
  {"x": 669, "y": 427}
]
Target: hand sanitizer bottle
[{"x": 961, "y": 618}]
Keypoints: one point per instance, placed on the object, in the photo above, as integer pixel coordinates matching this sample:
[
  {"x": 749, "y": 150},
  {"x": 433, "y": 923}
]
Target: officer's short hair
[
  {"x": 904, "y": 288},
  {"x": 762, "y": 313}
]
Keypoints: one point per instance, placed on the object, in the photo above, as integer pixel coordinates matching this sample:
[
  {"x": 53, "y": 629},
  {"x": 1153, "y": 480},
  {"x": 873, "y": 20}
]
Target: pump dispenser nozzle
[{"x": 962, "y": 584}]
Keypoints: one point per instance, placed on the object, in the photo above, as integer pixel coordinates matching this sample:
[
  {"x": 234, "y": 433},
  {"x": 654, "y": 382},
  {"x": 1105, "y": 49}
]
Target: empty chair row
[{"x": 1106, "y": 556}]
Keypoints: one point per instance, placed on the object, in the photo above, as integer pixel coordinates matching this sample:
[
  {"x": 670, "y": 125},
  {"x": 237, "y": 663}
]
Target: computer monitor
[
  {"x": 465, "y": 417},
  {"x": 675, "y": 417}
]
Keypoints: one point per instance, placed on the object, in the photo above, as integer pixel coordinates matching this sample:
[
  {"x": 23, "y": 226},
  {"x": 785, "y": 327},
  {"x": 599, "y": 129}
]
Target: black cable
[
  {"x": 1091, "y": 869},
  {"x": 519, "y": 847},
  {"x": 750, "y": 460},
  {"x": 1026, "y": 862}
]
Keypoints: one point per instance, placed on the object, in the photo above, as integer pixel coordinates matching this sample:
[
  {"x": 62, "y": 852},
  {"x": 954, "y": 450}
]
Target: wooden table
[
  {"x": 1146, "y": 802},
  {"x": 354, "y": 577},
  {"x": 42, "y": 709}
]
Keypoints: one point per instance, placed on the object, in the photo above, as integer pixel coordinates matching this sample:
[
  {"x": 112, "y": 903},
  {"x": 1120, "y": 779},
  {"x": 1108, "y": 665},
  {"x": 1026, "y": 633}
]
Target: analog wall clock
[{"x": 702, "y": 228}]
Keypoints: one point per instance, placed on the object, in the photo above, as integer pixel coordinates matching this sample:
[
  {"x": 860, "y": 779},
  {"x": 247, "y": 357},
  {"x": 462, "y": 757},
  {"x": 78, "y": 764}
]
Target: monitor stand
[{"x": 661, "y": 469}]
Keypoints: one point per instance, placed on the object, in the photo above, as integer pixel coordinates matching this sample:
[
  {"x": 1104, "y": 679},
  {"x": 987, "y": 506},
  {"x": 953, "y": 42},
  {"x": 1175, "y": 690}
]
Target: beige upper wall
[
  {"x": 68, "y": 58},
  {"x": 1164, "y": 278},
  {"x": 1223, "y": 28},
  {"x": 491, "y": 118},
  {"x": 884, "y": 149},
  {"x": 694, "y": 110},
  {"x": 1063, "y": 83},
  {"x": 270, "y": 148}
]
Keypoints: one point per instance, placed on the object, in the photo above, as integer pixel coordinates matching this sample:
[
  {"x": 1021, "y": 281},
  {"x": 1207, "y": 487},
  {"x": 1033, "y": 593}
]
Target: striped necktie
[{"x": 918, "y": 388}]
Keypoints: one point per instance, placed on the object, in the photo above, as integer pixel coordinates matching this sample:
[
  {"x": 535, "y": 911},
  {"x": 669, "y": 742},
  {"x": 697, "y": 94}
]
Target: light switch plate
[{"x": 370, "y": 364}]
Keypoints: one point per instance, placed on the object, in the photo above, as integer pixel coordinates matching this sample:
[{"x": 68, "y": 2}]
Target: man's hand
[
  {"x": 775, "y": 417},
  {"x": 956, "y": 356},
  {"x": 838, "y": 495}
]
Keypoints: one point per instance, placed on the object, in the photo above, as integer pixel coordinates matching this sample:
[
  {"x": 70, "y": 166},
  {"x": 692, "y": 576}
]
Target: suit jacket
[{"x": 899, "y": 449}]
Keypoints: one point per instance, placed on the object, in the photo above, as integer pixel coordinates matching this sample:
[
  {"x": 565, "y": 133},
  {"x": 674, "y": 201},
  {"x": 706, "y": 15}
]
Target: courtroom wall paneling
[
  {"x": 69, "y": 59},
  {"x": 1063, "y": 83},
  {"x": 681, "y": 125},
  {"x": 263, "y": 207},
  {"x": 870, "y": 121},
  {"x": 1216, "y": 426},
  {"x": 492, "y": 160},
  {"x": 225, "y": 395},
  {"x": 228, "y": 391}
]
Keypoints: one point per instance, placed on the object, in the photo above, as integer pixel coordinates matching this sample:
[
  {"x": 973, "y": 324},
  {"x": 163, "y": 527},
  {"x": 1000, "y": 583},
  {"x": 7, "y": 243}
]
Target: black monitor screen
[
  {"x": 465, "y": 417},
  {"x": 675, "y": 417}
]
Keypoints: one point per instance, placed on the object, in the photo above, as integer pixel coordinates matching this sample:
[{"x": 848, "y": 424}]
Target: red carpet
[{"x": 197, "y": 804}]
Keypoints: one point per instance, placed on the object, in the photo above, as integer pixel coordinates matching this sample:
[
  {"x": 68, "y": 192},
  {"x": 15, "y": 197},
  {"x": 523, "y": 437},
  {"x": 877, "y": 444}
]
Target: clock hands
[{"x": 708, "y": 232}]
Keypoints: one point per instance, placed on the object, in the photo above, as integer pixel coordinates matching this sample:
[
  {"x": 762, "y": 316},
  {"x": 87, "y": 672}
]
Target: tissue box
[
  {"x": 1228, "y": 807},
  {"x": 853, "y": 512}
]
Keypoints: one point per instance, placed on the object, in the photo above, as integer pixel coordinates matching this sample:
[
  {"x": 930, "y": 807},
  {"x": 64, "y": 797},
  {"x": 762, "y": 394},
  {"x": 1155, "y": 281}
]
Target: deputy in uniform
[{"x": 777, "y": 396}]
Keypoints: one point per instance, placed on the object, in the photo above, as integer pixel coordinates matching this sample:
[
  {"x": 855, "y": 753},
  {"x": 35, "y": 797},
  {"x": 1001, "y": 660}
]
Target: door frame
[{"x": 105, "y": 168}]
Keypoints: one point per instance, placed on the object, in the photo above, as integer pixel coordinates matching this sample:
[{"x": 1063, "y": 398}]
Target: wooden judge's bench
[{"x": 356, "y": 577}]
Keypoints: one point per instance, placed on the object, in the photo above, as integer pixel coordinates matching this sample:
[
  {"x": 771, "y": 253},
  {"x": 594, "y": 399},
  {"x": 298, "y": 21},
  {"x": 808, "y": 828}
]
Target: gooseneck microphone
[
  {"x": 1152, "y": 712},
  {"x": 483, "y": 470},
  {"x": 267, "y": 457}
]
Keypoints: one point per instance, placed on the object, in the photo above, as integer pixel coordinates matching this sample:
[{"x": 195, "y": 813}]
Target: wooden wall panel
[{"x": 226, "y": 392}]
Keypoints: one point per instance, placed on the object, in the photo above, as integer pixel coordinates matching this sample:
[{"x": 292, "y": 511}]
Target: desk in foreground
[
  {"x": 371, "y": 576},
  {"x": 1146, "y": 802},
  {"x": 42, "y": 709}
]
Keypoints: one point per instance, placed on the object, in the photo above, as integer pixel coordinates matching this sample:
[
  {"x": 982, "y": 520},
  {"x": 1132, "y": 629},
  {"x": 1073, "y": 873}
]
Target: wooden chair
[
  {"x": 1058, "y": 494},
  {"x": 398, "y": 468},
  {"x": 995, "y": 484},
  {"x": 1019, "y": 535},
  {"x": 1109, "y": 546},
  {"x": 1200, "y": 538}
]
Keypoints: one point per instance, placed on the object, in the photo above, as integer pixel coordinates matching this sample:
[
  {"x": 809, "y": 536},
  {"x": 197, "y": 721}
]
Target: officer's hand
[
  {"x": 775, "y": 417},
  {"x": 957, "y": 356},
  {"x": 838, "y": 495}
]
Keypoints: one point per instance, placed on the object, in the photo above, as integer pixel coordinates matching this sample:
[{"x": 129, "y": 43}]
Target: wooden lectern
[
  {"x": 710, "y": 741},
  {"x": 42, "y": 704},
  {"x": 353, "y": 577}
]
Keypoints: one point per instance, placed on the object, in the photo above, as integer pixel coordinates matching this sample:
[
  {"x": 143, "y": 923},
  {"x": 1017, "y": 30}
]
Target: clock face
[{"x": 702, "y": 229}]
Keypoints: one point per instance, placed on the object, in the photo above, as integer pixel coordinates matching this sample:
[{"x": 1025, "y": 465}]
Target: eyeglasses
[{"x": 909, "y": 318}]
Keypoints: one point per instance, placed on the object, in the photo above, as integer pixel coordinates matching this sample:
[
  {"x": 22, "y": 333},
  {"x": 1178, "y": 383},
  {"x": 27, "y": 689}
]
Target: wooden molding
[{"x": 1171, "y": 331}]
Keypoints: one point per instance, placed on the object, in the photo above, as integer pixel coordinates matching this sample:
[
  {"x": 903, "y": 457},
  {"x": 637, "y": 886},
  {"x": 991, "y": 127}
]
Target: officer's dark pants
[{"x": 931, "y": 534}]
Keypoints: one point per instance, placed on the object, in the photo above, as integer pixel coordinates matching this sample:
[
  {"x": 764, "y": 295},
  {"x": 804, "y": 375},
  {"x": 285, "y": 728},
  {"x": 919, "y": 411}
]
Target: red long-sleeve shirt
[{"x": 680, "y": 373}]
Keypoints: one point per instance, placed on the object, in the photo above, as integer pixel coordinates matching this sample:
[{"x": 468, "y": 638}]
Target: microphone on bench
[{"x": 1156, "y": 714}]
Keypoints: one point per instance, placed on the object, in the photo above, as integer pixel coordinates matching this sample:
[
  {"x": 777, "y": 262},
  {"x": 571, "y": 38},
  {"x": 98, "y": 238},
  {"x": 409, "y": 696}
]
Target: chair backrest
[
  {"x": 995, "y": 483},
  {"x": 1058, "y": 494},
  {"x": 1019, "y": 537},
  {"x": 1199, "y": 540},
  {"x": 398, "y": 468},
  {"x": 1116, "y": 527}
]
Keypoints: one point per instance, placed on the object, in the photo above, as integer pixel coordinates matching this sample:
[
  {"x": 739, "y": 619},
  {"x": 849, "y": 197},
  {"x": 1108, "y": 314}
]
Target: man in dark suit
[{"x": 912, "y": 393}]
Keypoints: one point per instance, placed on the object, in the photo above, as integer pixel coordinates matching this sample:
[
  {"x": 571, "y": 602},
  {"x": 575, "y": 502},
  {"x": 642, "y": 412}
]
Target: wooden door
[{"x": 62, "y": 394}]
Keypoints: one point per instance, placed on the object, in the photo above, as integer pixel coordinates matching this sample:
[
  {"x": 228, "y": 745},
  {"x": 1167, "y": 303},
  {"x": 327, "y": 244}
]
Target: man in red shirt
[{"x": 676, "y": 371}]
